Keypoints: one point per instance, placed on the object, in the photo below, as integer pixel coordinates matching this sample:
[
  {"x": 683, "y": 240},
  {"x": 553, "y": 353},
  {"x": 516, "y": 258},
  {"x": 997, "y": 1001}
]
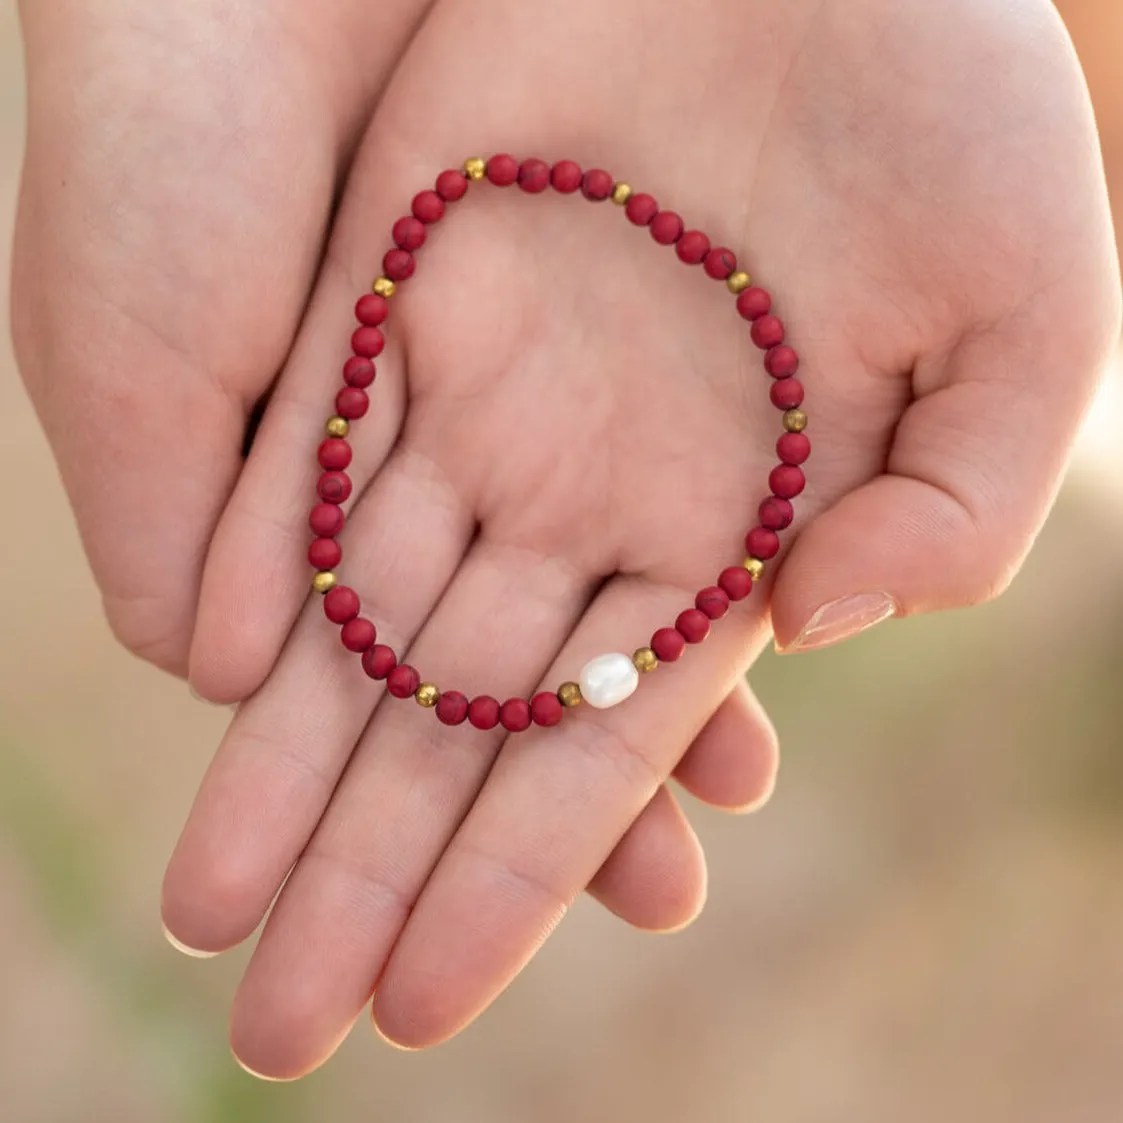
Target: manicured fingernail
[
  {"x": 180, "y": 946},
  {"x": 842, "y": 619},
  {"x": 256, "y": 1075}
]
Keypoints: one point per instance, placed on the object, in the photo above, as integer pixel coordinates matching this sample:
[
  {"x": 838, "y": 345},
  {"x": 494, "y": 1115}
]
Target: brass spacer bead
[
  {"x": 475, "y": 168},
  {"x": 427, "y": 695},
  {"x": 795, "y": 421},
  {"x": 337, "y": 427},
  {"x": 621, "y": 193},
  {"x": 383, "y": 287},
  {"x": 324, "y": 581},
  {"x": 645, "y": 660},
  {"x": 569, "y": 694},
  {"x": 738, "y": 282},
  {"x": 755, "y": 567}
]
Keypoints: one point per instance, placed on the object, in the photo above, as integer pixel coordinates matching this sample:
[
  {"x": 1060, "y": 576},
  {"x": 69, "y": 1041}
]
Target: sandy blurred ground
[{"x": 925, "y": 925}]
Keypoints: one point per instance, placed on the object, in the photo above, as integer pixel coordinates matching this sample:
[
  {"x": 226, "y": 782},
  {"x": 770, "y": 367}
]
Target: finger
[{"x": 551, "y": 809}]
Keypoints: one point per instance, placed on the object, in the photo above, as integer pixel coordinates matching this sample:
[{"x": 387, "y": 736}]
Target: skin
[{"x": 568, "y": 434}]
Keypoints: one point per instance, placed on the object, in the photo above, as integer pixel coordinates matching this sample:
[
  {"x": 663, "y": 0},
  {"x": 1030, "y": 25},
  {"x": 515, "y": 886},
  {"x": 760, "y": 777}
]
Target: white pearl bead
[{"x": 607, "y": 680}]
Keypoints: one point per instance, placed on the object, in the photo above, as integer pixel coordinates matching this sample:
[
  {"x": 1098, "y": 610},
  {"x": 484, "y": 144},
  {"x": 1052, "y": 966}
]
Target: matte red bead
[
  {"x": 546, "y": 708},
  {"x": 534, "y": 176},
  {"x": 786, "y": 481},
  {"x": 786, "y": 393},
  {"x": 326, "y": 520},
  {"x": 367, "y": 342},
  {"x": 351, "y": 402},
  {"x": 692, "y": 247},
  {"x": 408, "y": 233},
  {"x": 793, "y": 448},
  {"x": 451, "y": 185},
  {"x": 762, "y": 543},
  {"x": 452, "y": 707},
  {"x": 372, "y": 309},
  {"x": 753, "y": 302},
  {"x": 334, "y": 454},
  {"x": 358, "y": 634},
  {"x": 719, "y": 263},
  {"x": 735, "y": 582},
  {"x": 597, "y": 185},
  {"x": 641, "y": 209},
  {"x": 515, "y": 715},
  {"x": 668, "y": 645},
  {"x": 693, "y": 625},
  {"x": 566, "y": 176},
  {"x": 334, "y": 487},
  {"x": 666, "y": 228},
  {"x": 781, "y": 362},
  {"x": 776, "y": 513},
  {"x": 403, "y": 681},
  {"x": 379, "y": 661},
  {"x": 341, "y": 604},
  {"x": 398, "y": 265},
  {"x": 713, "y": 601},
  {"x": 358, "y": 371},
  {"x": 502, "y": 170},
  {"x": 483, "y": 712},
  {"x": 324, "y": 553},
  {"x": 767, "y": 331},
  {"x": 427, "y": 207}
]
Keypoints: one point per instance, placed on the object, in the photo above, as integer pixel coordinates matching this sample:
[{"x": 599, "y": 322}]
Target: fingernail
[
  {"x": 842, "y": 619},
  {"x": 180, "y": 946},
  {"x": 257, "y": 1075}
]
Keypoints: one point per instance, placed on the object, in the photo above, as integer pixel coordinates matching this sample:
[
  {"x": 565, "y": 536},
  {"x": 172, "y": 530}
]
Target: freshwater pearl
[{"x": 608, "y": 679}]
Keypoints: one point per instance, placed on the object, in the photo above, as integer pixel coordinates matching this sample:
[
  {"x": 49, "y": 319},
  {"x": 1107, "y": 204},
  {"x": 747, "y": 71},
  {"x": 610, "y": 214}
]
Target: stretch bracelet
[{"x": 607, "y": 679}]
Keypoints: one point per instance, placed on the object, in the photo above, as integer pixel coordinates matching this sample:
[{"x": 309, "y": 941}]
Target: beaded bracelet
[{"x": 608, "y": 679}]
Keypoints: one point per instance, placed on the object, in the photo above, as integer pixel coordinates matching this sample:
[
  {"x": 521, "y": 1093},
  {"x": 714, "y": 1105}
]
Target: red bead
[
  {"x": 334, "y": 454},
  {"x": 515, "y": 715},
  {"x": 753, "y": 302},
  {"x": 358, "y": 371},
  {"x": 719, "y": 263},
  {"x": 787, "y": 393},
  {"x": 781, "y": 362},
  {"x": 668, "y": 645},
  {"x": 786, "y": 481},
  {"x": 324, "y": 553},
  {"x": 367, "y": 342},
  {"x": 372, "y": 309},
  {"x": 451, "y": 185},
  {"x": 565, "y": 176},
  {"x": 776, "y": 513},
  {"x": 641, "y": 209},
  {"x": 351, "y": 402},
  {"x": 666, "y": 228},
  {"x": 379, "y": 661},
  {"x": 428, "y": 207},
  {"x": 398, "y": 265},
  {"x": 358, "y": 634},
  {"x": 735, "y": 582},
  {"x": 483, "y": 712},
  {"x": 403, "y": 681},
  {"x": 713, "y": 601},
  {"x": 546, "y": 708},
  {"x": 597, "y": 185},
  {"x": 767, "y": 331},
  {"x": 502, "y": 170},
  {"x": 341, "y": 604},
  {"x": 692, "y": 247},
  {"x": 452, "y": 707},
  {"x": 334, "y": 487},
  {"x": 762, "y": 543},
  {"x": 693, "y": 625},
  {"x": 793, "y": 448},
  {"x": 534, "y": 176},
  {"x": 408, "y": 233},
  {"x": 326, "y": 520}
]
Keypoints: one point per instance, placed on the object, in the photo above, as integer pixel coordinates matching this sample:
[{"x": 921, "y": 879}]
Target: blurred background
[{"x": 925, "y": 924}]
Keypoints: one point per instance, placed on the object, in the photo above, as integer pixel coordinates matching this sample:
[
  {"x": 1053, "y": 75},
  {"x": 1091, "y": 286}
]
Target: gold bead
[
  {"x": 324, "y": 581},
  {"x": 384, "y": 287},
  {"x": 621, "y": 193},
  {"x": 427, "y": 695},
  {"x": 569, "y": 694},
  {"x": 795, "y": 421},
  {"x": 475, "y": 168},
  {"x": 337, "y": 427},
  {"x": 645, "y": 660},
  {"x": 738, "y": 282},
  {"x": 755, "y": 567}
]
